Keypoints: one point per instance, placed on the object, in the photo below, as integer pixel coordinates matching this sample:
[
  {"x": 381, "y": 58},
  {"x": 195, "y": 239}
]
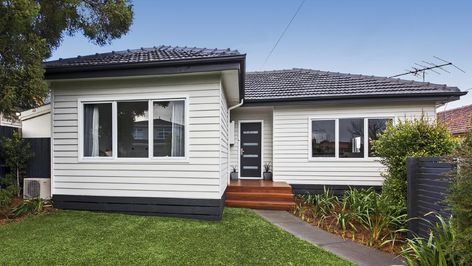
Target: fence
[
  {"x": 427, "y": 189},
  {"x": 40, "y": 164}
]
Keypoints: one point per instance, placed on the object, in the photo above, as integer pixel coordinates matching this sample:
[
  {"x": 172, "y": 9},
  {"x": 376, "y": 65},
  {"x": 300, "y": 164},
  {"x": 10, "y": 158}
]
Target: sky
[{"x": 380, "y": 38}]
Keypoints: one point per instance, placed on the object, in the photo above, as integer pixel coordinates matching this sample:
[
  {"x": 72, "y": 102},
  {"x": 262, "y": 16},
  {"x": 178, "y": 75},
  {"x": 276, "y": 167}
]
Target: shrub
[
  {"x": 460, "y": 201},
  {"x": 34, "y": 206},
  {"x": 410, "y": 138},
  {"x": 436, "y": 249},
  {"x": 6, "y": 195}
]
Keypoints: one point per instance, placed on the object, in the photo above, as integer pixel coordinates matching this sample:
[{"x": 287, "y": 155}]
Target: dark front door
[{"x": 251, "y": 147}]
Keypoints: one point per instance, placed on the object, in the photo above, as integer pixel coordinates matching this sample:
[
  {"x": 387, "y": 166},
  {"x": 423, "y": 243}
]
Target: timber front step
[
  {"x": 265, "y": 205},
  {"x": 258, "y": 194},
  {"x": 255, "y": 196}
]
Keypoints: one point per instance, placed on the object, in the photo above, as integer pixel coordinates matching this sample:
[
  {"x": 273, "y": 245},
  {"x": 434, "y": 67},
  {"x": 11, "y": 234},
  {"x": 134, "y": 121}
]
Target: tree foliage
[
  {"x": 31, "y": 29},
  {"x": 410, "y": 138},
  {"x": 460, "y": 201},
  {"x": 16, "y": 153}
]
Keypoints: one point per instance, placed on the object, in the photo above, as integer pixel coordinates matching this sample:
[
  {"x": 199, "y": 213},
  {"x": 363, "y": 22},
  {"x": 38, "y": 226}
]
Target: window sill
[
  {"x": 184, "y": 160},
  {"x": 333, "y": 159}
]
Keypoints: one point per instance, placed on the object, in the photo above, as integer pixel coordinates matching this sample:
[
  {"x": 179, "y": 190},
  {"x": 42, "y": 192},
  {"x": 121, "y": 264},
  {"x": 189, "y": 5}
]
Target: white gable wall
[
  {"x": 197, "y": 177},
  {"x": 36, "y": 126},
  {"x": 291, "y": 161}
]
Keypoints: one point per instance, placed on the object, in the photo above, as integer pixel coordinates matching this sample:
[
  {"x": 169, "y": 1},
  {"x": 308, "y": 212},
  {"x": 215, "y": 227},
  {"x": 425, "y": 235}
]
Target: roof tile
[
  {"x": 142, "y": 55},
  {"x": 307, "y": 83},
  {"x": 457, "y": 120}
]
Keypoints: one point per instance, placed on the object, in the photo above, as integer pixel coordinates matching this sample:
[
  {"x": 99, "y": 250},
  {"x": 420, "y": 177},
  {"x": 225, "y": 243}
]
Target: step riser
[
  {"x": 259, "y": 189},
  {"x": 275, "y": 208},
  {"x": 271, "y": 197},
  {"x": 266, "y": 206}
]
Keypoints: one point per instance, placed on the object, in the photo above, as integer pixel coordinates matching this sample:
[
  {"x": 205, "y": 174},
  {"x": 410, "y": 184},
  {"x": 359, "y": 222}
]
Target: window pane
[
  {"x": 376, "y": 126},
  {"x": 323, "y": 138},
  {"x": 133, "y": 133},
  {"x": 351, "y": 138},
  {"x": 97, "y": 130},
  {"x": 169, "y": 128}
]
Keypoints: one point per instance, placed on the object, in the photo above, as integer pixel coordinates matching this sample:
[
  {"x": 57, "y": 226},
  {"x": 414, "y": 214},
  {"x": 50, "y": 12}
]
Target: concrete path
[{"x": 346, "y": 249}]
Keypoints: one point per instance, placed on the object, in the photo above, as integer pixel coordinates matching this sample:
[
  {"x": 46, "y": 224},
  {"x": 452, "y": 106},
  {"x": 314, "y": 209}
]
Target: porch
[{"x": 259, "y": 194}]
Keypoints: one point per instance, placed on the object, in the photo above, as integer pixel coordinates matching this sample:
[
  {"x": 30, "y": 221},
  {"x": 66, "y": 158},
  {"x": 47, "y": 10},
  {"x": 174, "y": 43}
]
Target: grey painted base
[{"x": 205, "y": 209}]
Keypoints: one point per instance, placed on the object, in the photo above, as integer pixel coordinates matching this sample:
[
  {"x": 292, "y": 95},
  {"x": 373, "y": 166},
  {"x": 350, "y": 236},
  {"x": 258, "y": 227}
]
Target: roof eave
[
  {"x": 116, "y": 66},
  {"x": 437, "y": 97}
]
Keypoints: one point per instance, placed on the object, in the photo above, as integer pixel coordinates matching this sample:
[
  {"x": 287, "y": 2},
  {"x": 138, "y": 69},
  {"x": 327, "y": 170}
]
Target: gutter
[{"x": 449, "y": 96}]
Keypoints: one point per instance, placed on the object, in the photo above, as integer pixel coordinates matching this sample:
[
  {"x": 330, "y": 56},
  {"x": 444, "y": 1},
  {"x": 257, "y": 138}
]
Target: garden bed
[
  {"x": 18, "y": 209},
  {"x": 359, "y": 215}
]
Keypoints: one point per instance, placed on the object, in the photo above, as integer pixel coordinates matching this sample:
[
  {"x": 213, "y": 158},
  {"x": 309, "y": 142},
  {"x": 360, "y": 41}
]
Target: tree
[
  {"x": 16, "y": 153},
  {"x": 411, "y": 138},
  {"x": 460, "y": 201},
  {"x": 31, "y": 29}
]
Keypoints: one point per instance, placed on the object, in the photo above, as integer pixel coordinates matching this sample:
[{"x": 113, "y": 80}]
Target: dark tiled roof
[
  {"x": 300, "y": 84},
  {"x": 457, "y": 120},
  {"x": 143, "y": 55}
]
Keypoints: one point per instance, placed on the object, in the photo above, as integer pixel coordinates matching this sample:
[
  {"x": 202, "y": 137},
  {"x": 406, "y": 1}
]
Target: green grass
[{"x": 87, "y": 238}]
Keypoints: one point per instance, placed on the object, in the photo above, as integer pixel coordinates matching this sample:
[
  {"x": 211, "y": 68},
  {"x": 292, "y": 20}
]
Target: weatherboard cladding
[{"x": 293, "y": 84}]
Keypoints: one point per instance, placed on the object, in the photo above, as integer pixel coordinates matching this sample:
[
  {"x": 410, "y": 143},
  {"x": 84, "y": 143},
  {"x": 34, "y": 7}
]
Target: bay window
[
  {"x": 123, "y": 129},
  {"x": 345, "y": 137}
]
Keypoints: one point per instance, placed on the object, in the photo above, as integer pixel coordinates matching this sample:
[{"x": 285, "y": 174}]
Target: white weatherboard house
[{"x": 156, "y": 130}]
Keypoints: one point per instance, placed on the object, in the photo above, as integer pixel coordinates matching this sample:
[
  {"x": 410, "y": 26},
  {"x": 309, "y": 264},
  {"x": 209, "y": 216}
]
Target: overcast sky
[{"x": 379, "y": 38}]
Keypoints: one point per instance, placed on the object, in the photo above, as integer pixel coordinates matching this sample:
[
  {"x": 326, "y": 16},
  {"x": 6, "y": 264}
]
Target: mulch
[{"x": 7, "y": 218}]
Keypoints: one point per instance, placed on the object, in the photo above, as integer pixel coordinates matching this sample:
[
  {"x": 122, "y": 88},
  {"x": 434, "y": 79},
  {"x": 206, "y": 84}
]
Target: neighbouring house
[
  {"x": 7, "y": 128},
  {"x": 8, "y": 125},
  {"x": 155, "y": 130},
  {"x": 36, "y": 130},
  {"x": 457, "y": 120}
]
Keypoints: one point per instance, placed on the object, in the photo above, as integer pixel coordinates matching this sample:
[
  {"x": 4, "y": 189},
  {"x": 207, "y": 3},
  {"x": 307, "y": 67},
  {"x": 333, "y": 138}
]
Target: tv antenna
[{"x": 420, "y": 69}]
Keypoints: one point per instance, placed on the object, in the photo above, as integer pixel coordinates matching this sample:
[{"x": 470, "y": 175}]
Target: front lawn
[{"x": 87, "y": 238}]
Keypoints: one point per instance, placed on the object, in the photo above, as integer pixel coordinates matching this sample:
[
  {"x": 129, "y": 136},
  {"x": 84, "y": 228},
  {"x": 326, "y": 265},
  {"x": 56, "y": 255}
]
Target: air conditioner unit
[{"x": 37, "y": 188}]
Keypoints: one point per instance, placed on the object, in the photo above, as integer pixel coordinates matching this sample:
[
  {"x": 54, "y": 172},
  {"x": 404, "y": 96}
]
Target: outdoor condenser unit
[{"x": 37, "y": 188}]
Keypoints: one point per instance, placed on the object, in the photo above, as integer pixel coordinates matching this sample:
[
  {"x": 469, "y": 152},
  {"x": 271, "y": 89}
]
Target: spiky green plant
[{"x": 436, "y": 249}]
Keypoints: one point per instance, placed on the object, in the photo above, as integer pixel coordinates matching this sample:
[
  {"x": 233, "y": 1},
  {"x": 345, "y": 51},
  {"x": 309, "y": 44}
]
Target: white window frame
[
  {"x": 336, "y": 157},
  {"x": 150, "y": 98}
]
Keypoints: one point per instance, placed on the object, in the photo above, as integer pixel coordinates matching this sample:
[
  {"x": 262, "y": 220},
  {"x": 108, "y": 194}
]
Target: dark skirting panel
[
  {"x": 40, "y": 165},
  {"x": 337, "y": 190},
  {"x": 205, "y": 209}
]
